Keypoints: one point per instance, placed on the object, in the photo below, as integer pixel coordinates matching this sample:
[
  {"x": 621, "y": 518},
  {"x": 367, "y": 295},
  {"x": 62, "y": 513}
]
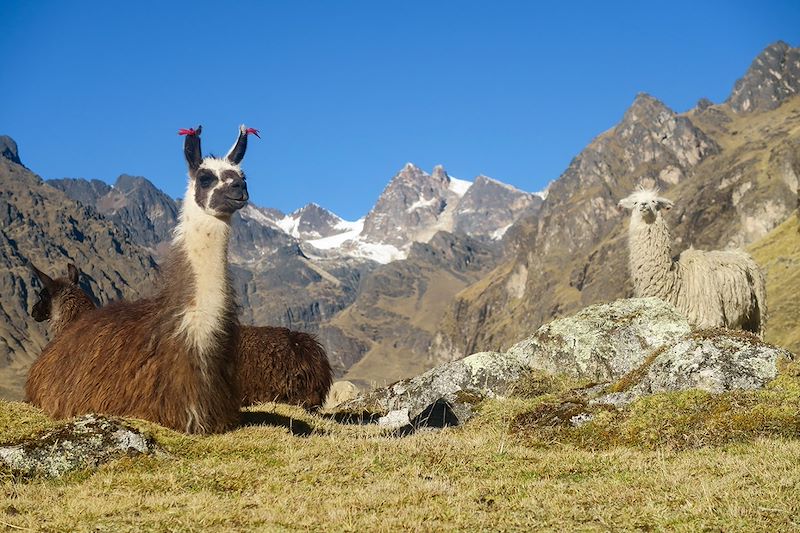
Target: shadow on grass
[
  {"x": 298, "y": 428},
  {"x": 438, "y": 415}
]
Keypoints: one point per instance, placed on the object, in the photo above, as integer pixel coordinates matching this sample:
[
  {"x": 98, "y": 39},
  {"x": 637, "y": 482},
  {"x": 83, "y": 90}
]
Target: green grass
[
  {"x": 686, "y": 461},
  {"x": 678, "y": 420}
]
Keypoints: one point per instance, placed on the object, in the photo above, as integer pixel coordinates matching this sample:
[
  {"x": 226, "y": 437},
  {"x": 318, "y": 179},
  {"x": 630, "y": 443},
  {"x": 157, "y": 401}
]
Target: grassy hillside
[
  {"x": 502, "y": 471},
  {"x": 779, "y": 255}
]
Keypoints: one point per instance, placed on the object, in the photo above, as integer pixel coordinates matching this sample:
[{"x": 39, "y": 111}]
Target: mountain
[
  {"x": 733, "y": 177},
  {"x": 43, "y": 225},
  {"x": 773, "y": 77},
  {"x": 133, "y": 202}
]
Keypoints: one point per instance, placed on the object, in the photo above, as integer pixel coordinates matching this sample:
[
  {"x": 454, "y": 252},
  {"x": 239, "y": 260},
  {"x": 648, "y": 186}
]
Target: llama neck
[
  {"x": 650, "y": 259},
  {"x": 208, "y": 306},
  {"x": 67, "y": 308}
]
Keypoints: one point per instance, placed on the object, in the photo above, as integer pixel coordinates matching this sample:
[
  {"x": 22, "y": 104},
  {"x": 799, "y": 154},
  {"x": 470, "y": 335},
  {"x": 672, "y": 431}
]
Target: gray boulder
[
  {"x": 442, "y": 396},
  {"x": 714, "y": 360},
  {"x": 602, "y": 342},
  {"x": 86, "y": 442}
]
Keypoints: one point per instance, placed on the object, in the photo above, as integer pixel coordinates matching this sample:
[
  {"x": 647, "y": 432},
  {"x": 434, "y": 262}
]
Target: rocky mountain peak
[
  {"x": 8, "y": 149},
  {"x": 489, "y": 207},
  {"x": 439, "y": 173},
  {"x": 413, "y": 200},
  {"x": 87, "y": 192},
  {"x": 647, "y": 111},
  {"x": 313, "y": 222},
  {"x": 773, "y": 77},
  {"x": 651, "y": 131},
  {"x": 127, "y": 183}
]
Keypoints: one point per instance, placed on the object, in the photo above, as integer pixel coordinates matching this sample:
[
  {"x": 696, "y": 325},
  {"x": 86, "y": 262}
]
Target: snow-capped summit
[{"x": 413, "y": 207}]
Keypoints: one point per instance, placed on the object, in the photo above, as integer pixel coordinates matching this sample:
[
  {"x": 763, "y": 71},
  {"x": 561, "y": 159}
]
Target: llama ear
[
  {"x": 73, "y": 273},
  {"x": 191, "y": 147},
  {"x": 46, "y": 280},
  {"x": 236, "y": 153},
  {"x": 663, "y": 203},
  {"x": 625, "y": 203}
]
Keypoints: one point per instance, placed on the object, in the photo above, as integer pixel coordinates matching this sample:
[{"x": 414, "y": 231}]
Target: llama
[
  {"x": 170, "y": 358},
  {"x": 713, "y": 289},
  {"x": 275, "y": 364},
  {"x": 60, "y": 300}
]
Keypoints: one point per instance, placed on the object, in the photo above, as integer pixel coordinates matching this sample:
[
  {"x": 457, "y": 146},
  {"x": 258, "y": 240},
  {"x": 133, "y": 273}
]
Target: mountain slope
[
  {"x": 41, "y": 224},
  {"x": 778, "y": 253},
  {"x": 395, "y": 315}
]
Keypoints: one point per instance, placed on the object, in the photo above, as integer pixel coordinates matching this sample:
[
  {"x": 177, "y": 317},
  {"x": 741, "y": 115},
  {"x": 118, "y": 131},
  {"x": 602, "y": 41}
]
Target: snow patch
[
  {"x": 351, "y": 231},
  {"x": 459, "y": 187},
  {"x": 419, "y": 204},
  {"x": 290, "y": 225},
  {"x": 350, "y": 243},
  {"x": 498, "y": 233}
]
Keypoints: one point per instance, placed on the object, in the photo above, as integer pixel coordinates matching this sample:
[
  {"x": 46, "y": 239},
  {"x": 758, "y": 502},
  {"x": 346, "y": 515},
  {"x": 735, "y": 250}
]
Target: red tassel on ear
[
  {"x": 253, "y": 131},
  {"x": 190, "y": 131}
]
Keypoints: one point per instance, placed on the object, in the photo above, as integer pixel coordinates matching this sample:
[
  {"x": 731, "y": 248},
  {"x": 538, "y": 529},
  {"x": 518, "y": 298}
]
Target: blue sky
[{"x": 345, "y": 93}]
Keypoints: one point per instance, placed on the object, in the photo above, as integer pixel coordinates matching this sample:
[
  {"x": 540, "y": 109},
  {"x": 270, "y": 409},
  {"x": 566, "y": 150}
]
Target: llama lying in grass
[
  {"x": 170, "y": 358},
  {"x": 275, "y": 364},
  {"x": 713, "y": 289}
]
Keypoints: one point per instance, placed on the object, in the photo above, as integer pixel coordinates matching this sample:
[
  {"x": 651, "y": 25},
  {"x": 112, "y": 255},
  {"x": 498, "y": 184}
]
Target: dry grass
[{"x": 303, "y": 472}]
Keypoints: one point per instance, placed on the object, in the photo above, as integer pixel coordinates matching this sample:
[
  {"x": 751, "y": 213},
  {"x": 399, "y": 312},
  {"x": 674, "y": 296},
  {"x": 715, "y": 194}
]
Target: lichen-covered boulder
[
  {"x": 715, "y": 361},
  {"x": 442, "y": 396},
  {"x": 602, "y": 342},
  {"x": 85, "y": 442}
]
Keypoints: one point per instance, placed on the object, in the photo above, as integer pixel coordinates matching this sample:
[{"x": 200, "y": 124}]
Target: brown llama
[
  {"x": 170, "y": 358},
  {"x": 60, "y": 300},
  {"x": 275, "y": 364}
]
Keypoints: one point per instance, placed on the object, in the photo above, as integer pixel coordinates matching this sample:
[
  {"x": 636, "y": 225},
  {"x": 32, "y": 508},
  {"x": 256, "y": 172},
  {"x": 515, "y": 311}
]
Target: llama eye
[{"x": 207, "y": 181}]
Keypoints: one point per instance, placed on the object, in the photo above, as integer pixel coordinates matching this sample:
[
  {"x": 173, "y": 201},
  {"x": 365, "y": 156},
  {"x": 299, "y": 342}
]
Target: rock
[
  {"x": 86, "y": 442},
  {"x": 715, "y": 361},
  {"x": 445, "y": 395},
  {"x": 602, "y": 342},
  {"x": 703, "y": 104},
  {"x": 9, "y": 150},
  {"x": 395, "y": 419},
  {"x": 340, "y": 392}
]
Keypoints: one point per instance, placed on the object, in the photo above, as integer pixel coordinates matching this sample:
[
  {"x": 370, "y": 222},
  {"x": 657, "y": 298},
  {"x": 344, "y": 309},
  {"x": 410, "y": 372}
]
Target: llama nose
[{"x": 238, "y": 190}]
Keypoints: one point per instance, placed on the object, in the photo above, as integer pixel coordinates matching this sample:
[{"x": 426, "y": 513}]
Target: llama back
[
  {"x": 278, "y": 364},
  {"x": 722, "y": 287}
]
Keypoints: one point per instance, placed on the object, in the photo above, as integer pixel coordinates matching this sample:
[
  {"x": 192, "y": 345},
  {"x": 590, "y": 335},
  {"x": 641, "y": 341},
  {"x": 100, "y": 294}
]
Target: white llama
[{"x": 713, "y": 289}]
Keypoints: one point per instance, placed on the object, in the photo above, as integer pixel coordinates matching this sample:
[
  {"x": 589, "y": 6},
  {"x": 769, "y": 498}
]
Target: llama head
[
  {"x": 52, "y": 290},
  {"x": 645, "y": 204},
  {"x": 217, "y": 185}
]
